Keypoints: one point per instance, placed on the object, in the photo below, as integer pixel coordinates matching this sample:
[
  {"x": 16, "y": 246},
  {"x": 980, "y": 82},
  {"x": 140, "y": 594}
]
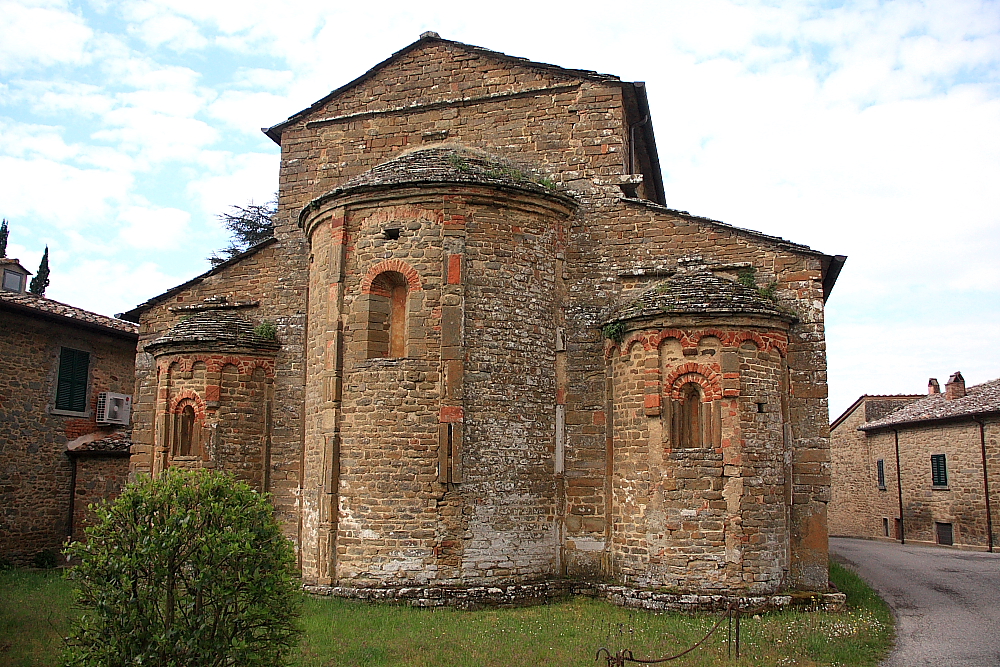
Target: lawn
[{"x": 36, "y": 611}]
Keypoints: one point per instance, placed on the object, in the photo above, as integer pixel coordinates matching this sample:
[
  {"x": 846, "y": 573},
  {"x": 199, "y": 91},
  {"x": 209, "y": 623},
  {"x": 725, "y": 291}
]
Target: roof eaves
[
  {"x": 66, "y": 319},
  {"x": 970, "y": 416},
  {"x": 133, "y": 315}
]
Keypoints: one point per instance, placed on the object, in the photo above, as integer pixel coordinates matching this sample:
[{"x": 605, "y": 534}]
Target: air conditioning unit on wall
[{"x": 113, "y": 408}]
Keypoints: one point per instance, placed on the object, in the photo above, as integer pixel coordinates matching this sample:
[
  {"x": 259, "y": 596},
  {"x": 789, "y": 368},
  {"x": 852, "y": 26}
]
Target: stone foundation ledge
[
  {"x": 462, "y": 597},
  {"x": 638, "y": 598},
  {"x": 522, "y": 595}
]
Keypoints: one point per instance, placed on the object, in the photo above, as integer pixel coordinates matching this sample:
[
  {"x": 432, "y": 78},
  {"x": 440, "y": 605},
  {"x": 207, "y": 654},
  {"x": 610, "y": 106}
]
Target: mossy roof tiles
[
  {"x": 695, "y": 293},
  {"x": 217, "y": 328}
]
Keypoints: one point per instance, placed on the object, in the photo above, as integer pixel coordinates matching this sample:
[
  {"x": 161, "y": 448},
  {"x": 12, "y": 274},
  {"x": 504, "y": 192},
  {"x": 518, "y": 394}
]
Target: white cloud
[
  {"x": 60, "y": 194},
  {"x": 238, "y": 180},
  {"x": 40, "y": 34},
  {"x": 105, "y": 286},
  {"x": 148, "y": 227}
]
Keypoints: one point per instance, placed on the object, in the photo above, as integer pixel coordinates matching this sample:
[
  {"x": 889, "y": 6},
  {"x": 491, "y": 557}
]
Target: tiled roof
[
  {"x": 979, "y": 399},
  {"x": 47, "y": 307},
  {"x": 117, "y": 442},
  {"x": 221, "y": 328},
  {"x": 698, "y": 292},
  {"x": 445, "y": 164}
]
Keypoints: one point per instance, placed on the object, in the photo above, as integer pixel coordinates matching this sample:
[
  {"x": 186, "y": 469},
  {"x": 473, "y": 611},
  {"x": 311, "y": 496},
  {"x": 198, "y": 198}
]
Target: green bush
[{"x": 188, "y": 569}]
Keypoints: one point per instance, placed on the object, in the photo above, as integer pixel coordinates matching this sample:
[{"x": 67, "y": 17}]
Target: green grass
[{"x": 36, "y": 610}]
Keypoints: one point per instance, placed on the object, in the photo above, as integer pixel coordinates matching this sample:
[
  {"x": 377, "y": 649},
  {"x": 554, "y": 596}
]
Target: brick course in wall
[{"x": 485, "y": 213}]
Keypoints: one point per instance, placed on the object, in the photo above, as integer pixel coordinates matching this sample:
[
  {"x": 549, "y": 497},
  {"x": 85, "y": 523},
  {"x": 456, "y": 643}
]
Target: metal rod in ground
[{"x": 737, "y": 634}]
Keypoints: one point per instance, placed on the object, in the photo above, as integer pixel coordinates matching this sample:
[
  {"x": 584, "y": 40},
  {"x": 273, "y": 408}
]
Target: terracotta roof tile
[
  {"x": 33, "y": 302},
  {"x": 978, "y": 399}
]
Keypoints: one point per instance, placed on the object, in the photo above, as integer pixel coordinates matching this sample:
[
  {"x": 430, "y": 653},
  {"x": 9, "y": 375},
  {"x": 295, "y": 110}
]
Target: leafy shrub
[{"x": 188, "y": 569}]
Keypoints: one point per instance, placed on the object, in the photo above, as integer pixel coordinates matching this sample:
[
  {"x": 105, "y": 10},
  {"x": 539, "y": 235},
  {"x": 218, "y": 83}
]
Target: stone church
[{"x": 480, "y": 350}]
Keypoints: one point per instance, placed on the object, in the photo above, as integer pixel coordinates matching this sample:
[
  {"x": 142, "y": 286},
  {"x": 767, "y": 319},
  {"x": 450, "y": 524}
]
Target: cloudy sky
[{"x": 869, "y": 129}]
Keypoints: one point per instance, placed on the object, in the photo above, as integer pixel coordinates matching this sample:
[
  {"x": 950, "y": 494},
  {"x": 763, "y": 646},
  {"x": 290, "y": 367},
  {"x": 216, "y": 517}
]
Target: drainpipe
[
  {"x": 986, "y": 483},
  {"x": 899, "y": 488}
]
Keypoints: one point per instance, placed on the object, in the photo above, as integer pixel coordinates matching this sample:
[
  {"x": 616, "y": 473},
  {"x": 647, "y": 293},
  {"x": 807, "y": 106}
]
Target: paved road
[{"x": 947, "y": 602}]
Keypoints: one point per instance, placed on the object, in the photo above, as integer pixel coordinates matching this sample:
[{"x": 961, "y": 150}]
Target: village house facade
[
  {"x": 922, "y": 469},
  {"x": 61, "y": 448},
  {"x": 498, "y": 357}
]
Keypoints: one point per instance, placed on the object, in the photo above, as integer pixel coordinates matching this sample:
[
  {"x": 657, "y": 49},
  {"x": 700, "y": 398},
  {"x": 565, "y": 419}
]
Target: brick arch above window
[
  {"x": 391, "y": 265},
  {"x": 184, "y": 398},
  {"x": 705, "y": 376}
]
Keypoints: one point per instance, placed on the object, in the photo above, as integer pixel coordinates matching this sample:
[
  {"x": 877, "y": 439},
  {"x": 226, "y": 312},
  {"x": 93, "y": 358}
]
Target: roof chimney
[
  {"x": 933, "y": 387},
  {"x": 955, "y": 388}
]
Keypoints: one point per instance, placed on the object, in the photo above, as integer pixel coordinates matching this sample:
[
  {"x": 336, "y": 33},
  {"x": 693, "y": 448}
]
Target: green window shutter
[
  {"x": 939, "y": 470},
  {"x": 71, "y": 391}
]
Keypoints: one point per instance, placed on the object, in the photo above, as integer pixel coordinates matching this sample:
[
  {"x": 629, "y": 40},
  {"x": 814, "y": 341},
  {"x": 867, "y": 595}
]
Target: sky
[{"x": 861, "y": 128}]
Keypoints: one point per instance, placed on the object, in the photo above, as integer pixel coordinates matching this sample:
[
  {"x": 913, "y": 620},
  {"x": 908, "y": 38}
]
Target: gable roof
[
  {"x": 864, "y": 399},
  {"x": 38, "y": 306},
  {"x": 979, "y": 399},
  {"x": 832, "y": 264},
  {"x": 274, "y": 132}
]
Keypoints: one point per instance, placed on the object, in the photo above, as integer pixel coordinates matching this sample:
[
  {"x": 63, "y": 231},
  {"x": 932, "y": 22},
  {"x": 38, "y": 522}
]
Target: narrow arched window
[
  {"x": 690, "y": 416},
  {"x": 185, "y": 431},
  {"x": 387, "y": 308}
]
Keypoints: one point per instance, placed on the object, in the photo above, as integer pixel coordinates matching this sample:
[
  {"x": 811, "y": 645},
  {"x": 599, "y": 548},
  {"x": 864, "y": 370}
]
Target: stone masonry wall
[
  {"x": 628, "y": 247},
  {"x": 34, "y": 467},
  {"x": 962, "y": 502},
  {"x": 273, "y": 277},
  {"x": 574, "y": 130},
  {"x": 99, "y": 477},
  {"x": 714, "y": 515}
]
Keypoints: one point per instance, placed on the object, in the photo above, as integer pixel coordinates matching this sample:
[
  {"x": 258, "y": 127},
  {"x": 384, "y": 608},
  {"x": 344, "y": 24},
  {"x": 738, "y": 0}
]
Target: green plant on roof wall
[
  {"x": 748, "y": 278},
  {"x": 614, "y": 331},
  {"x": 266, "y": 329}
]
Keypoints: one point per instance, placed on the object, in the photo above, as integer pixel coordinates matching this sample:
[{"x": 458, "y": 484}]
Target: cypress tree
[
  {"x": 4, "y": 232},
  {"x": 41, "y": 279}
]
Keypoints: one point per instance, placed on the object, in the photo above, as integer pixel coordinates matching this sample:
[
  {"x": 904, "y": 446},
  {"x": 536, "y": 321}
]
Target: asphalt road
[{"x": 947, "y": 602}]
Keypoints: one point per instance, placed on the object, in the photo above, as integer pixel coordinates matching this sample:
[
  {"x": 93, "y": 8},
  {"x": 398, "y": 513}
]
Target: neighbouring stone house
[
  {"x": 56, "y": 457},
  {"x": 919, "y": 468},
  {"x": 500, "y": 358}
]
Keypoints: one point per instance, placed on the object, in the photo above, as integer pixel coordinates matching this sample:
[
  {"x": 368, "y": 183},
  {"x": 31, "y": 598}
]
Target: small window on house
[
  {"x": 885, "y": 526},
  {"x": 71, "y": 387},
  {"x": 939, "y": 470},
  {"x": 13, "y": 281},
  {"x": 387, "y": 316},
  {"x": 880, "y": 464}
]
